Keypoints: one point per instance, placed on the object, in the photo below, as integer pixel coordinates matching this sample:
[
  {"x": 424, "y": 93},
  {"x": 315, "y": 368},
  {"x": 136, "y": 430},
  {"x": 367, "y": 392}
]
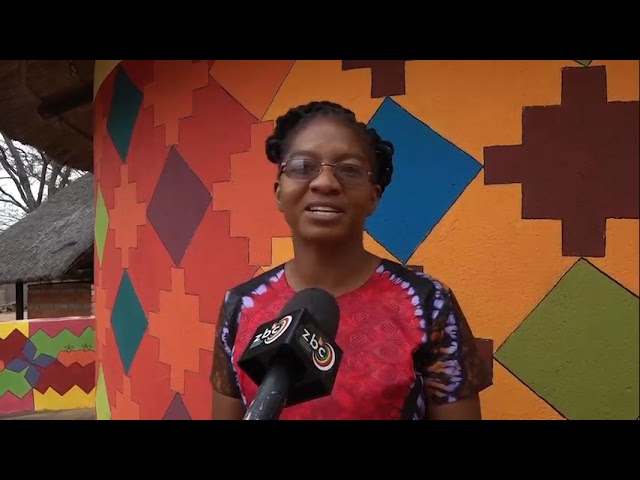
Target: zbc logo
[
  {"x": 276, "y": 330},
  {"x": 324, "y": 356}
]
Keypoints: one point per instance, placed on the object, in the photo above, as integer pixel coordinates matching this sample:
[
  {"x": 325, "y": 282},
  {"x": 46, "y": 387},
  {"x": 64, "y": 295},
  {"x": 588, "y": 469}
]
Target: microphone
[{"x": 294, "y": 358}]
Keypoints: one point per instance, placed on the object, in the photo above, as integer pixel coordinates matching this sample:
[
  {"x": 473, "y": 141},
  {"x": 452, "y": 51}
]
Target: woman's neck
[{"x": 337, "y": 269}]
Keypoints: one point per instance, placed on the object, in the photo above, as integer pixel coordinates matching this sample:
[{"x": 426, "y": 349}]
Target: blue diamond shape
[
  {"x": 123, "y": 114},
  {"x": 32, "y": 376},
  {"x": 43, "y": 360},
  {"x": 128, "y": 322},
  {"x": 29, "y": 350},
  {"x": 17, "y": 365},
  {"x": 429, "y": 175}
]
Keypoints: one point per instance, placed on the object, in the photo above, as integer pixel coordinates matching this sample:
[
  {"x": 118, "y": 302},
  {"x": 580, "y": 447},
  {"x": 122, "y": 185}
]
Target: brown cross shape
[
  {"x": 387, "y": 76},
  {"x": 578, "y": 161}
]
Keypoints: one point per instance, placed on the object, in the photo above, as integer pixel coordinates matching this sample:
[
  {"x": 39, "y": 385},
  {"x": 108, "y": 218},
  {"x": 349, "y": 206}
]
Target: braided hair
[{"x": 289, "y": 123}]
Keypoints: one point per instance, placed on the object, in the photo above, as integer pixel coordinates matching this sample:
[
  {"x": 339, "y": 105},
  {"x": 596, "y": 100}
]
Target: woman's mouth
[{"x": 324, "y": 212}]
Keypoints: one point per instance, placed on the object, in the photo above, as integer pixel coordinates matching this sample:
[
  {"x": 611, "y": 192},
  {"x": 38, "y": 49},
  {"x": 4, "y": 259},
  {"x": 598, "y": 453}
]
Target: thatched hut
[
  {"x": 49, "y": 104},
  {"x": 51, "y": 251}
]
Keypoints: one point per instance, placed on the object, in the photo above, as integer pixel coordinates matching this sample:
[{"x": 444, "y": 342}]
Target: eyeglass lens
[{"x": 308, "y": 169}]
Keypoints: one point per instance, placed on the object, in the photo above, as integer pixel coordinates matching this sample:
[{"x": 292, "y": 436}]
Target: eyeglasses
[{"x": 308, "y": 169}]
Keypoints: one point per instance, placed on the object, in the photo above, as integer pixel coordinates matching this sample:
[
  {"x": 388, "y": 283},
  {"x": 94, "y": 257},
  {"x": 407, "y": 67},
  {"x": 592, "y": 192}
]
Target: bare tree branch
[
  {"x": 43, "y": 175},
  {"x": 9, "y": 169},
  {"x": 21, "y": 173},
  {"x": 30, "y": 177},
  {"x": 10, "y": 199}
]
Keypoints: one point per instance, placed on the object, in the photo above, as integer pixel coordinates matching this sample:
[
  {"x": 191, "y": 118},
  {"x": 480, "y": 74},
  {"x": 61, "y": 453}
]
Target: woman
[{"x": 408, "y": 350}]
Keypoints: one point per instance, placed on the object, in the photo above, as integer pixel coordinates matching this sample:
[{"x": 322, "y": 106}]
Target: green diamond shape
[
  {"x": 578, "y": 349},
  {"x": 101, "y": 224},
  {"x": 128, "y": 322},
  {"x": 103, "y": 409},
  {"x": 584, "y": 63}
]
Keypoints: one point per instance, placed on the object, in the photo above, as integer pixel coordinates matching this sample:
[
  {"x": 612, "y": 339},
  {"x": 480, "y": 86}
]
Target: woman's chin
[{"x": 323, "y": 235}]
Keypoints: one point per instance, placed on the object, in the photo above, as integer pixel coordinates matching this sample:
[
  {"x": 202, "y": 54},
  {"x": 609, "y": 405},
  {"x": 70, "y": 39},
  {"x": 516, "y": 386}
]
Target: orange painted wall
[{"x": 185, "y": 211}]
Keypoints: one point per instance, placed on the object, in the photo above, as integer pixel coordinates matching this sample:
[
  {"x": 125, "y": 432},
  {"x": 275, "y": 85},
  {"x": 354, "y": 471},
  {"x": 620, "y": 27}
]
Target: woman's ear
[
  {"x": 376, "y": 193},
  {"x": 276, "y": 191}
]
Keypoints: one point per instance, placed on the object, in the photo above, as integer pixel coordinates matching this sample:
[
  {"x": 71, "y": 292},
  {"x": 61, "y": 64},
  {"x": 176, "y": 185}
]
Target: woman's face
[{"x": 332, "y": 206}]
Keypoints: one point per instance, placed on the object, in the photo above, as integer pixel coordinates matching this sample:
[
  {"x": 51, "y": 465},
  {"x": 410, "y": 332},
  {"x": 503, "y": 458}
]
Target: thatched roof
[
  {"x": 46, "y": 242},
  {"x": 49, "y": 104}
]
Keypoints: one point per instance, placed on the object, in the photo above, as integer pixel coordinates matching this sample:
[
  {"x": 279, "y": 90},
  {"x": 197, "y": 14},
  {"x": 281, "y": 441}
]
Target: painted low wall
[
  {"x": 515, "y": 183},
  {"x": 47, "y": 364}
]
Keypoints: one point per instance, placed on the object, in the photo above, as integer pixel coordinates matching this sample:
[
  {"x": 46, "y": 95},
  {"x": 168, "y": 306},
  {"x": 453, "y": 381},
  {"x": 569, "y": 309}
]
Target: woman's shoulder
[
  {"x": 423, "y": 284},
  {"x": 262, "y": 280}
]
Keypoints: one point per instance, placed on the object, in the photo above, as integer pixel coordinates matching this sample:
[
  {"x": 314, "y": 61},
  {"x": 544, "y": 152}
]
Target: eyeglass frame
[{"x": 369, "y": 173}]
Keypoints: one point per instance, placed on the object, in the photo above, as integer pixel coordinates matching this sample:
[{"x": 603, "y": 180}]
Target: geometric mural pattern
[
  {"x": 401, "y": 221},
  {"x": 578, "y": 161},
  {"x": 592, "y": 324},
  {"x": 503, "y": 188},
  {"x": 47, "y": 365}
]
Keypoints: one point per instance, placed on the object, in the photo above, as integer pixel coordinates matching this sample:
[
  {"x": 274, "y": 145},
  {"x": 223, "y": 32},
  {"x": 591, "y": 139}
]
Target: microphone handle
[{"x": 272, "y": 394}]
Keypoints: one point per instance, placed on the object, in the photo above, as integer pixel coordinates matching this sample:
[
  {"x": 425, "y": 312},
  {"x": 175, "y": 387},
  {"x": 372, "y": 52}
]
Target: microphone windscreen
[{"x": 321, "y": 305}]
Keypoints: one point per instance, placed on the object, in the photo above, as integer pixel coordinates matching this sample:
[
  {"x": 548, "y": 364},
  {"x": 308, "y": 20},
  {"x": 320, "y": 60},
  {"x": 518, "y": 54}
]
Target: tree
[{"x": 28, "y": 176}]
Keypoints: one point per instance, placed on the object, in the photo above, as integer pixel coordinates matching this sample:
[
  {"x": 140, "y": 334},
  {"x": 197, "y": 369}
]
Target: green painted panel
[
  {"x": 103, "y": 409},
  {"x": 579, "y": 348},
  {"x": 14, "y": 382},
  {"x": 65, "y": 340},
  {"x": 101, "y": 224}
]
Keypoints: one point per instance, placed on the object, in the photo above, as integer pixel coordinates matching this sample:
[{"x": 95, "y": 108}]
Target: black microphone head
[
  {"x": 321, "y": 305},
  {"x": 302, "y": 340}
]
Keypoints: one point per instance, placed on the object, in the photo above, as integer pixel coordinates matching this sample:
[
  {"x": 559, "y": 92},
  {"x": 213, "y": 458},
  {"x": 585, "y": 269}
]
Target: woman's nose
[{"x": 326, "y": 179}]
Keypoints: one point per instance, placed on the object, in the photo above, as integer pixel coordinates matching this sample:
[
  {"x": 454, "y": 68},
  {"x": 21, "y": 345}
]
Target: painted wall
[
  {"x": 47, "y": 364},
  {"x": 516, "y": 183}
]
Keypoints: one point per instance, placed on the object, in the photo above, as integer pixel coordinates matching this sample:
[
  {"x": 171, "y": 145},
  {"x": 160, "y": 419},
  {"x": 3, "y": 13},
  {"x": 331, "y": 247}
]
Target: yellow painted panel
[
  {"x": 74, "y": 398},
  {"x": 7, "y": 327}
]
